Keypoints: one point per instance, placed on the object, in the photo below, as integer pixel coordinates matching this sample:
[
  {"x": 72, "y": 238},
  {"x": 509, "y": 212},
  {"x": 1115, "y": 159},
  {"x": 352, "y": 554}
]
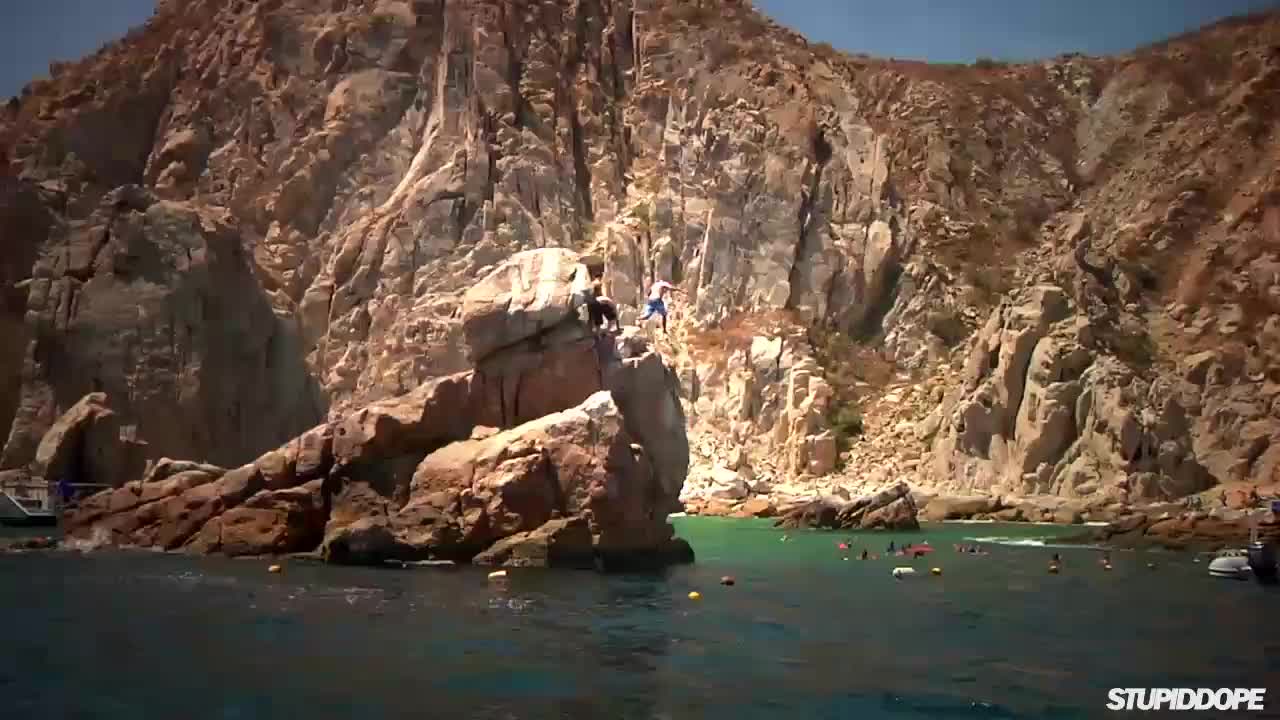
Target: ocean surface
[{"x": 804, "y": 633}]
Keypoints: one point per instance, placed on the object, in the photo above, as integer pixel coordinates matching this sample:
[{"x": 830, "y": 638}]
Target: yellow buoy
[
  {"x": 695, "y": 595},
  {"x": 498, "y": 575},
  {"x": 936, "y": 571},
  {"x": 275, "y": 569}
]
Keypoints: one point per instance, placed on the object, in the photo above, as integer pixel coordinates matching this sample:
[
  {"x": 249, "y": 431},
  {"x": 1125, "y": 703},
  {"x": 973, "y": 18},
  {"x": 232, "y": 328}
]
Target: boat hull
[{"x": 1230, "y": 568}]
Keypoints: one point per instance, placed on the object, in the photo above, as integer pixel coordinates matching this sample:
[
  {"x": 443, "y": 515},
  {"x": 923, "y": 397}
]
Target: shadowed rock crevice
[
  {"x": 25, "y": 224},
  {"x": 169, "y": 297}
]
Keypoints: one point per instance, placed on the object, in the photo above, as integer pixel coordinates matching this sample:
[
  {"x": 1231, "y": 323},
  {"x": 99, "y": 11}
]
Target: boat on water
[
  {"x": 1257, "y": 560},
  {"x": 1231, "y": 564},
  {"x": 22, "y": 508}
]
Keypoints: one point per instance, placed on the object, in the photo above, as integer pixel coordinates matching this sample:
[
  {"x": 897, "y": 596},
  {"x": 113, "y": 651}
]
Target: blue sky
[
  {"x": 964, "y": 30},
  {"x": 33, "y": 32}
]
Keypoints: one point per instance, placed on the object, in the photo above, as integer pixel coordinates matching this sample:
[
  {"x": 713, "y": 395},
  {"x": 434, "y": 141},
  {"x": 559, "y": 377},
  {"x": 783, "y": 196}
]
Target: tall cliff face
[{"x": 247, "y": 215}]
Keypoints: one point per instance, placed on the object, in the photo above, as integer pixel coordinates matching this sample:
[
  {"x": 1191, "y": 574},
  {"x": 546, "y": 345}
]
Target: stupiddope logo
[{"x": 1186, "y": 698}]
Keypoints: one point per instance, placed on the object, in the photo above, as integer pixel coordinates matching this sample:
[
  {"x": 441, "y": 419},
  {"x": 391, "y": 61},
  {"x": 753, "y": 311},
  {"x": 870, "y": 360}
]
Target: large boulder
[
  {"x": 434, "y": 414},
  {"x": 757, "y": 507},
  {"x": 537, "y": 377},
  {"x": 166, "y": 514},
  {"x": 556, "y": 543},
  {"x": 579, "y": 463},
  {"x": 890, "y": 509},
  {"x": 820, "y": 513},
  {"x": 897, "y": 515},
  {"x": 165, "y": 468},
  {"x": 526, "y": 295},
  {"x": 272, "y": 522},
  {"x": 956, "y": 507},
  {"x": 647, "y": 393},
  {"x": 84, "y": 446},
  {"x": 367, "y": 541}
]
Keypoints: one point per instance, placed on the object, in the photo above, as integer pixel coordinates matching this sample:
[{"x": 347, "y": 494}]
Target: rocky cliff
[
  {"x": 559, "y": 447},
  {"x": 1058, "y": 278}
]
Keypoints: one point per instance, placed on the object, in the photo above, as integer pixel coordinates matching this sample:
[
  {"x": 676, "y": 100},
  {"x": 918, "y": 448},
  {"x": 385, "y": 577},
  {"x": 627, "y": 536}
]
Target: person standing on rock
[{"x": 655, "y": 304}]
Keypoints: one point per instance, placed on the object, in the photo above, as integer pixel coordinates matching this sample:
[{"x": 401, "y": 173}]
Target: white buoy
[{"x": 901, "y": 572}]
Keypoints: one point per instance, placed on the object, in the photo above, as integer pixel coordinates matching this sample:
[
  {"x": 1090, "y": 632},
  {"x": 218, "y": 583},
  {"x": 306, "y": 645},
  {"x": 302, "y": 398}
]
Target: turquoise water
[{"x": 802, "y": 634}]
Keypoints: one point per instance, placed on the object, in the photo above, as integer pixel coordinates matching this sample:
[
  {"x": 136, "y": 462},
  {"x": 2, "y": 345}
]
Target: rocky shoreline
[
  {"x": 559, "y": 448},
  {"x": 1170, "y": 526}
]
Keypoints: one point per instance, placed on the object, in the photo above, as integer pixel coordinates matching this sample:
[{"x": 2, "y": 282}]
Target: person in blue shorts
[{"x": 656, "y": 305}]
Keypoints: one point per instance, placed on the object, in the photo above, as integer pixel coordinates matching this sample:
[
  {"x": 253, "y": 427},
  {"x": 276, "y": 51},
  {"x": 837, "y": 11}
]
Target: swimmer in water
[{"x": 890, "y": 550}]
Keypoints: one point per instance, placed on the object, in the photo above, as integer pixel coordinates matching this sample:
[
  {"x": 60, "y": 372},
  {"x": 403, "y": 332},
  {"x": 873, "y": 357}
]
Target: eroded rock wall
[{"x": 343, "y": 172}]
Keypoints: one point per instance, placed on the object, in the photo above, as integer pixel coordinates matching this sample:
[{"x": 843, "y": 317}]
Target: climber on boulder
[
  {"x": 655, "y": 304},
  {"x": 601, "y": 310}
]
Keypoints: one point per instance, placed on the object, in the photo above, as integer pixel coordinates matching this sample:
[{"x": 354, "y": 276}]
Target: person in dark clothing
[
  {"x": 601, "y": 310},
  {"x": 65, "y": 491}
]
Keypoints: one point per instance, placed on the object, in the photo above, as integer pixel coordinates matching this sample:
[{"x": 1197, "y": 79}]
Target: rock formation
[
  {"x": 890, "y": 509},
  {"x": 86, "y": 446},
  {"x": 559, "y": 448},
  {"x": 248, "y": 219}
]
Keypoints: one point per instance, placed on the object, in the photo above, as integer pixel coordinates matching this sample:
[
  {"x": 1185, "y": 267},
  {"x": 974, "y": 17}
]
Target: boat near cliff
[
  {"x": 1231, "y": 565},
  {"x": 26, "y": 505}
]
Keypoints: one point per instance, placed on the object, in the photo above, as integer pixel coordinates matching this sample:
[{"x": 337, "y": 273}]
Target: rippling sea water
[{"x": 803, "y": 633}]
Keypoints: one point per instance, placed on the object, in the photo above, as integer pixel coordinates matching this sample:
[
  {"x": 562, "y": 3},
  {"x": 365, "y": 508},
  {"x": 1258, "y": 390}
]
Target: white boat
[{"x": 1232, "y": 564}]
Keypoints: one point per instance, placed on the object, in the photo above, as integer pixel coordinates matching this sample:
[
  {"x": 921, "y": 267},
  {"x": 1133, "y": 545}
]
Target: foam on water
[
  {"x": 1030, "y": 542},
  {"x": 1011, "y": 541}
]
